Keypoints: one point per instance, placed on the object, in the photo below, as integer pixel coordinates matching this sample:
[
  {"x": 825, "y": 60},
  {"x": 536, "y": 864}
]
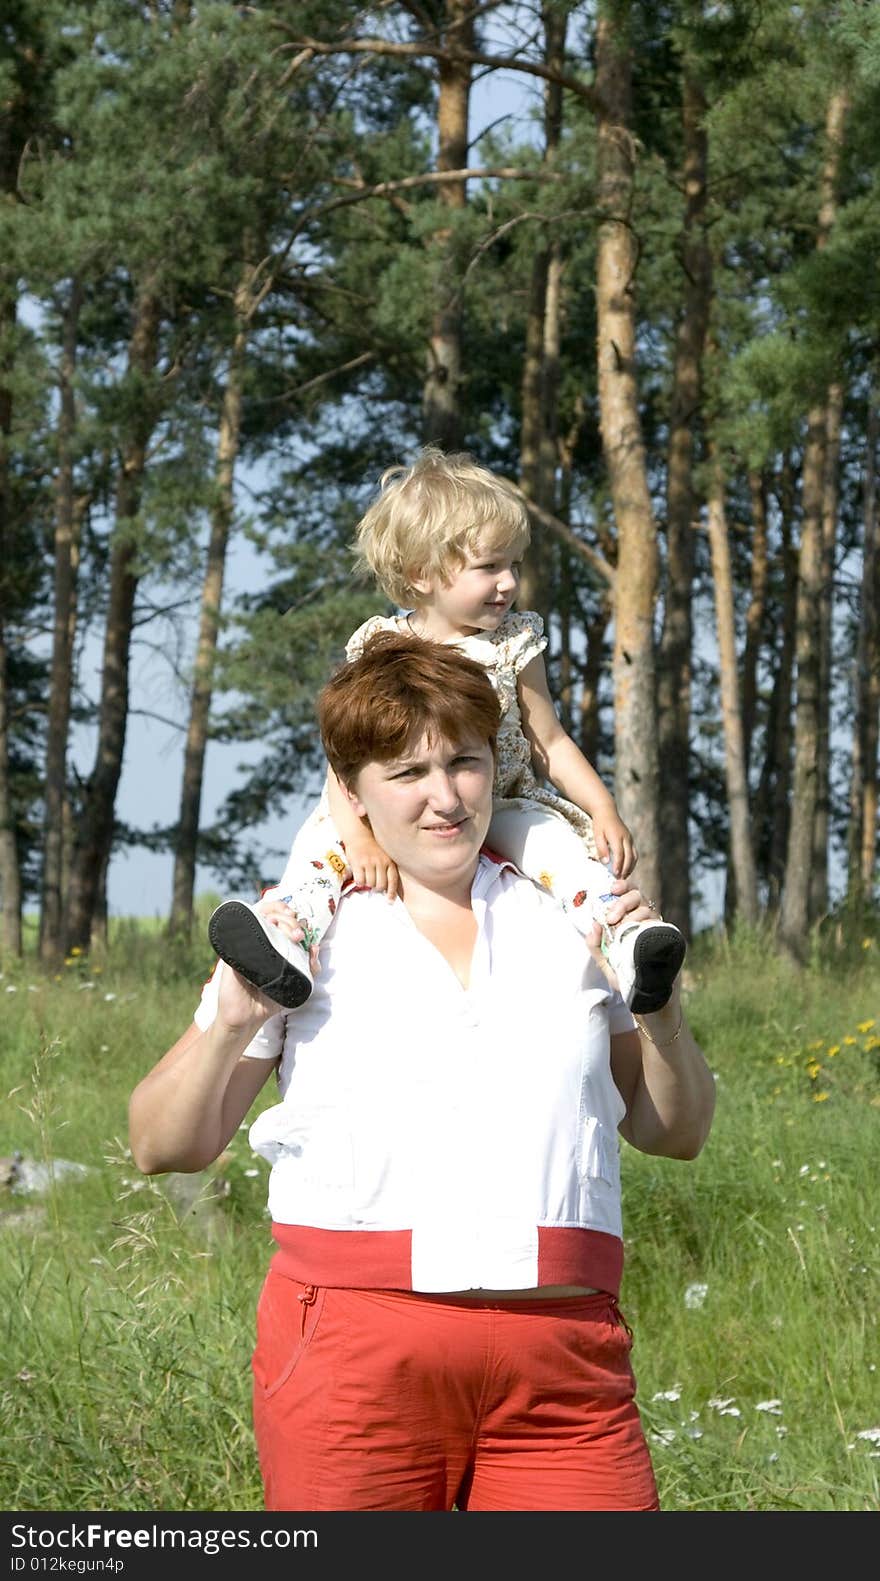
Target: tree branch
[
  {"x": 309, "y": 47},
  {"x": 565, "y": 533}
]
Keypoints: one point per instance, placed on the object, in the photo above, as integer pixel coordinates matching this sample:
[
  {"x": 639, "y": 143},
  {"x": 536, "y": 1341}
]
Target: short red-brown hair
[{"x": 400, "y": 689}]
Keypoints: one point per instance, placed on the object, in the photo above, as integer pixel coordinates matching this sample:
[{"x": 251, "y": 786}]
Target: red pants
[{"x": 391, "y": 1400}]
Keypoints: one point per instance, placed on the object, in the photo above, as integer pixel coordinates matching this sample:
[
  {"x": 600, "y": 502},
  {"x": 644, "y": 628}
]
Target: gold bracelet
[{"x": 675, "y": 1036}]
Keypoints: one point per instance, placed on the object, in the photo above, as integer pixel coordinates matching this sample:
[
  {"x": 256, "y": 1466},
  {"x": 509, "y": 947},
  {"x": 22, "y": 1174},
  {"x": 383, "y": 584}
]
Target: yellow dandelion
[
  {"x": 865, "y": 1026},
  {"x": 849, "y": 1042},
  {"x": 819, "y": 1043},
  {"x": 834, "y": 1048},
  {"x": 821, "y": 1097},
  {"x": 866, "y": 944},
  {"x": 76, "y": 950},
  {"x": 813, "y": 1069},
  {"x": 781, "y": 1059},
  {"x": 871, "y": 1043},
  {"x": 69, "y": 962}
]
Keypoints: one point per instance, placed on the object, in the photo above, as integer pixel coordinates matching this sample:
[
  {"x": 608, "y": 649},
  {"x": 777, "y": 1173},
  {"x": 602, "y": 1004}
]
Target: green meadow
[{"x": 752, "y": 1277}]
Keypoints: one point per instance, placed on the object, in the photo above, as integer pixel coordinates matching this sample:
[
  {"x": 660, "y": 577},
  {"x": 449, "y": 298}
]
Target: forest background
[{"x": 263, "y": 244}]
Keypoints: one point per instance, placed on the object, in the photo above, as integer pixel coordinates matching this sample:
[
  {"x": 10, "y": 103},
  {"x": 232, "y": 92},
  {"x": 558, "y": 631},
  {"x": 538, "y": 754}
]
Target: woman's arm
[
  {"x": 189, "y": 1106},
  {"x": 558, "y": 759},
  {"x": 186, "y": 1109},
  {"x": 669, "y": 1091},
  {"x": 659, "y": 1070}
]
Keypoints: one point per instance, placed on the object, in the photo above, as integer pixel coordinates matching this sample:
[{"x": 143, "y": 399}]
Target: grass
[{"x": 752, "y": 1276}]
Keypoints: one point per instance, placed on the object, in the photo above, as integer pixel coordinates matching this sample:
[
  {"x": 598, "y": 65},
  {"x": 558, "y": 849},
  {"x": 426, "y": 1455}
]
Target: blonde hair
[{"x": 429, "y": 516}]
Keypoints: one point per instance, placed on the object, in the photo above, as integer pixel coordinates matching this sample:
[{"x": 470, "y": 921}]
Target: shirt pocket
[{"x": 598, "y": 1157}]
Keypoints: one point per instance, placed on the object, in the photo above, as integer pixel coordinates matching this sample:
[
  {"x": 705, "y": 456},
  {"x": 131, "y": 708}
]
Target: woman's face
[{"x": 430, "y": 809}]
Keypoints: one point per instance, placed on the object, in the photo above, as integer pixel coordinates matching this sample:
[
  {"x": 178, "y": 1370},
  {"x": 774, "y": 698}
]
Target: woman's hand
[
  {"x": 241, "y": 1004},
  {"x": 629, "y": 903},
  {"x": 371, "y": 867}
]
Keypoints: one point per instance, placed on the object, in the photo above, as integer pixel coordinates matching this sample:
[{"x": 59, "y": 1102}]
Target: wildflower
[
  {"x": 872, "y": 1434},
  {"x": 849, "y": 1040},
  {"x": 695, "y": 1295},
  {"x": 866, "y": 944},
  {"x": 821, "y": 1097},
  {"x": 251, "y": 1173},
  {"x": 668, "y": 1394},
  {"x": 11, "y": 988},
  {"x": 108, "y": 997},
  {"x": 724, "y": 1407},
  {"x": 772, "y": 1407},
  {"x": 833, "y": 1048},
  {"x": 664, "y": 1435},
  {"x": 76, "y": 949},
  {"x": 865, "y": 1026},
  {"x": 804, "y": 1169}
]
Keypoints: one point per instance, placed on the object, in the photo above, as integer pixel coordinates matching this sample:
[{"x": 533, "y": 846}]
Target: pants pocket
[{"x": 288, "y": 1314}]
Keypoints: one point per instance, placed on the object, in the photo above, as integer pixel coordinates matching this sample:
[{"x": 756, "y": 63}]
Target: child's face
[{"x": 476, "y": 597}]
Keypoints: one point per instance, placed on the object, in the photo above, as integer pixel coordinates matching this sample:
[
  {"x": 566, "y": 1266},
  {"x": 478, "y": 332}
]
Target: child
[{"x": 444, "y": 540}]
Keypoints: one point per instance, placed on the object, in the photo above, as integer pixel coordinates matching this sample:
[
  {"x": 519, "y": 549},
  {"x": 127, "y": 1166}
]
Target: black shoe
[
  {"x": 647, "y": 960},
  {"x": 261, "y": 953}
]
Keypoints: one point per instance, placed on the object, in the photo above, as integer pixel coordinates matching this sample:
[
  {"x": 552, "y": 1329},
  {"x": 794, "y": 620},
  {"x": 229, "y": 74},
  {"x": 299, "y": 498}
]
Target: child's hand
[
  {"x": 614, "y": 843},
  {"x": 371, "y": 867}
]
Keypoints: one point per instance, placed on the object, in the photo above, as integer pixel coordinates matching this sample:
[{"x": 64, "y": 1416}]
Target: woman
[{"x": 439, "y": 1327}]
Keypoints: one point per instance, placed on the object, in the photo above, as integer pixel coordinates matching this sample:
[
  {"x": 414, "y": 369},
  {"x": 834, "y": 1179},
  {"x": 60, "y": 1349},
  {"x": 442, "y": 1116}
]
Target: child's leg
[
  {"x": 311, "y": 885},
  {"x": 646, "y": 956},
  {"x": 313, "y": 876}
]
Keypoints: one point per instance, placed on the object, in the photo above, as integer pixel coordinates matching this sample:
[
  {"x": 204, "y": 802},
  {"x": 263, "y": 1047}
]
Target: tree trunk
[
  {"x": 772, "y": 802},
  {"x": 795, "y": 915},
  {"x": 441, "y": 396},
  {"x": 795, "y": 911},
  {"x": 755, "y": 614},
  {"x": 742, "y": 854},
  {"x": 540, "y": 380},
  {"x": 95, "y": 830},
  {"x": 212, "y": 599},
  {"x": 674, "y": 671},
  {"x": 10, "y": 869},
  {"x": 637, "y": 767},
  {"x": 862, "y": 841},
  {"x": 67, "y": 533},
  {"x": 830, "y": 494}
]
